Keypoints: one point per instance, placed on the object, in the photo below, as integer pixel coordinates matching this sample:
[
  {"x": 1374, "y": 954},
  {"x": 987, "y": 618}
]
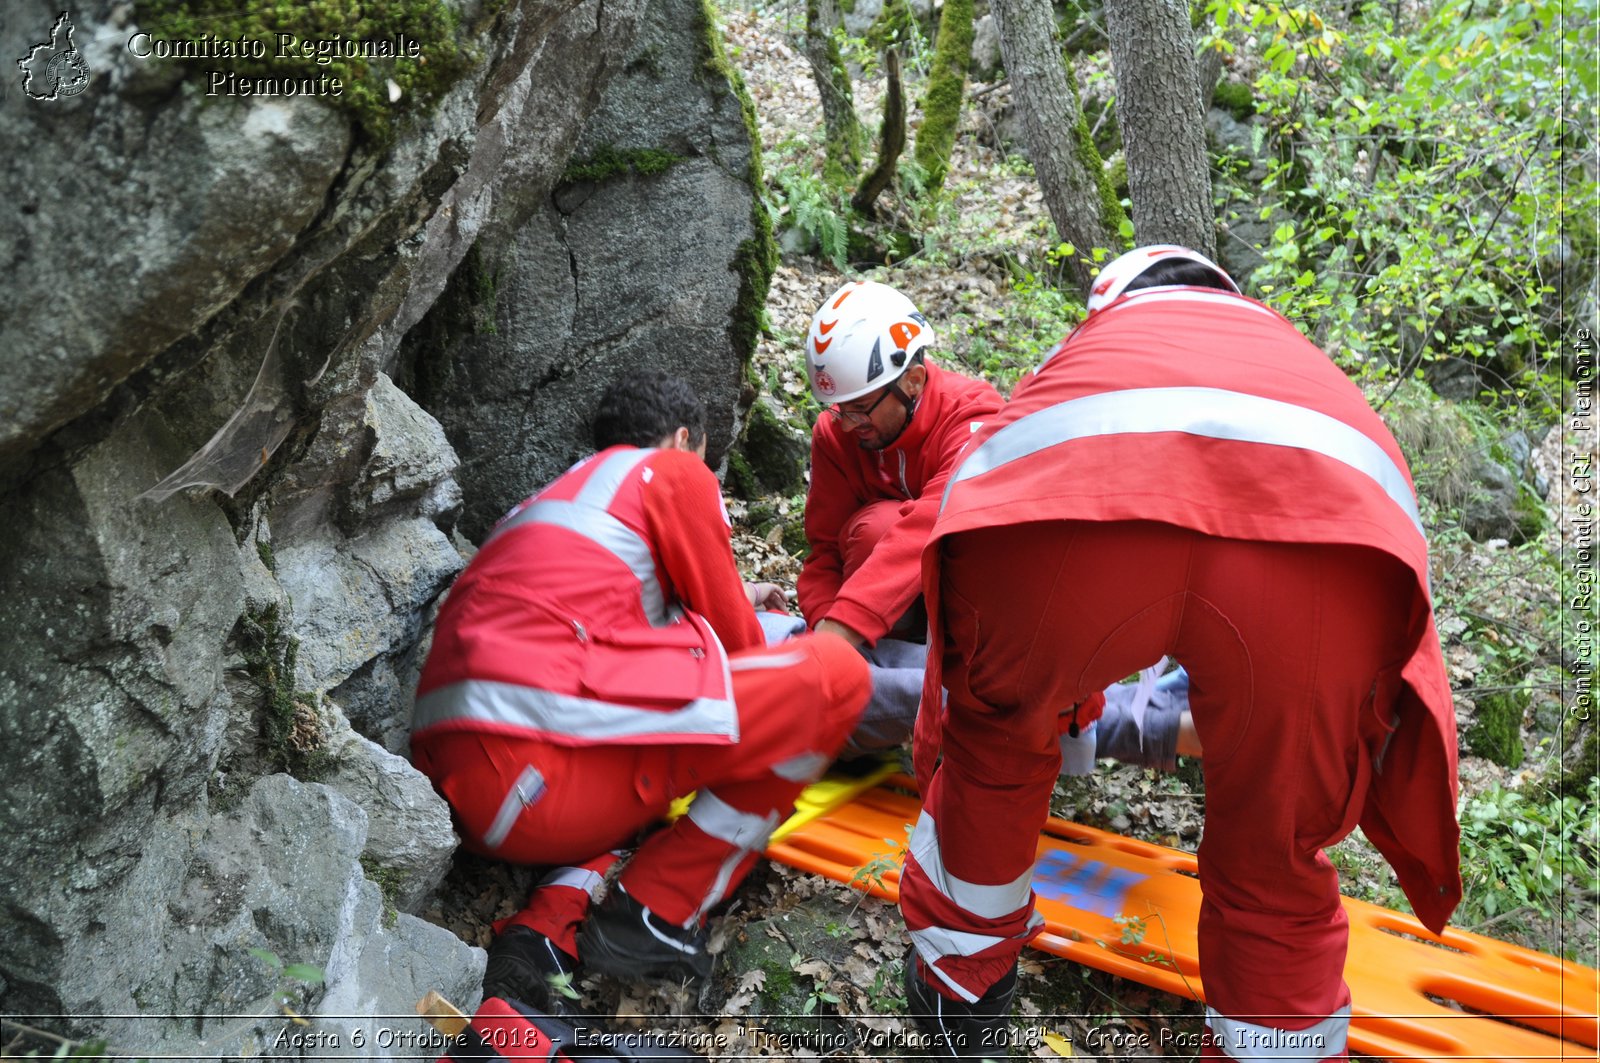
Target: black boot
[
  {"x": 527, "y": 966},
  {"x": 955, "y": 1028},
  {"x": 624, "y": 938}
]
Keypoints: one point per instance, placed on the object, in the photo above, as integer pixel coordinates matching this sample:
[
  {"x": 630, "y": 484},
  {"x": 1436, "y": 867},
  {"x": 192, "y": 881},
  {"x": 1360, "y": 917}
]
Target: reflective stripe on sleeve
[
  {"x": 746, "y": 832},
  {"x": 742, "y": 830},
  {"x": 607, "y": 532},
  {"x": 586, "y": 514},
  {"x": 985, "y": 902},
  {"x": 806, "y": 767},
  {"x": 1246, "y": 1040},
  {"x": 579, "y": 878},
  {"x": 600, "y": 489},
  {"x": 758, "y": 662},
  {"x": 528, "y": 788},
  {"x": 487, "y": 701},
  {"x": 1214, "y": 413}
]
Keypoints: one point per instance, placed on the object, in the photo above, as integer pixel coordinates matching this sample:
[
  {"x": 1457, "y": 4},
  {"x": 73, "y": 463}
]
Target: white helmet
[
  {"x": 1122, "y": 271},
  {"x": 865, "y": 335}
]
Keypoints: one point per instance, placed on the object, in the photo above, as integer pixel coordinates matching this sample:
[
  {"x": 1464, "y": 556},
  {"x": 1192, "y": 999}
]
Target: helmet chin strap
[{"x": 911, "y": 410}]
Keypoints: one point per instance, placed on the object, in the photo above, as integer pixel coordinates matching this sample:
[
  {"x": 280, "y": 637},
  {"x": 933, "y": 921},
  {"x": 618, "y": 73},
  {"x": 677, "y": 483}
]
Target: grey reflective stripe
[
  {"x": 586, "y": 514},
  {"x": 936, "y": 943},
  {"x": 1246, "y": 1040},
  {"x": 528, "y": 788},
  {"x": 1214, "y": 413},
  {"x": 719, "y": 885},
  {"x": 578, "y": 878},
  {"x": 780, "y": 658},
  {"x": 486, "y": 701},
  {"x": 607, "y": 532},
  {"x": 600, "y": 489},
  {"x": 807, "y": 767},
  {"x": 1146, "y": 296},
  {"x": 986, "y": 902},
  {"x": 742, "y": 830}
]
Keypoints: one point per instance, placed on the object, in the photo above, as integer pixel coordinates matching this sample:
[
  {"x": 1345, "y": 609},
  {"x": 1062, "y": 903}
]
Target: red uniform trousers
[
  {"x": 796, "y": 702},
  {"x": 857, "y": 539},
  {"x": 1294, "y": 653}
]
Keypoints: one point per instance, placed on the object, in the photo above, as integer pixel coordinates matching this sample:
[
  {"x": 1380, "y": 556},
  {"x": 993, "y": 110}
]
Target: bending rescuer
[
  {"x": 1261, "y": 527},
  {"x": 598, "y": 658},
  {"x": 896, "y": 425}
]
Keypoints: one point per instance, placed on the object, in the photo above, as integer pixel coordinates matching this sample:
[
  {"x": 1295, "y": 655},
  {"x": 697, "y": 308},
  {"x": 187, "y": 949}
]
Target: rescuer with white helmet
[
  {"x": 862, "y": 339},
  {"x": 1156, "y": 266},
  {"x": 895, "y": 425},
  {"x": 1186, "y": 475}
]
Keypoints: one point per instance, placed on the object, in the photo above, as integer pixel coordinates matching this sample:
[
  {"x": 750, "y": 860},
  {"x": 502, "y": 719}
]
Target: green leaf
[
  {"x": 304, "y": 972},
  {"x": 267, "y": 957}
]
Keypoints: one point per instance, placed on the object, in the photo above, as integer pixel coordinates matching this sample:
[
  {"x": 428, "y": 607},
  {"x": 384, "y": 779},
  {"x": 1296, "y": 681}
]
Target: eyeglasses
[{"x": 859, "y": 417}]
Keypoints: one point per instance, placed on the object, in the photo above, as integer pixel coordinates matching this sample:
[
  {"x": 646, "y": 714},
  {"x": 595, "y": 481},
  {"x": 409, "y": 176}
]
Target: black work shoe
[
  {"x": 624, "y": 938},
  {"x": 525, "y": 965},
  {"x": 955, "y": 1028}
]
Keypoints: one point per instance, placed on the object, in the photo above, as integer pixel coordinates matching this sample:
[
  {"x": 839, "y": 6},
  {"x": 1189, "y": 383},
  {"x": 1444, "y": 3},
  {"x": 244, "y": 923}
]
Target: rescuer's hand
[
  {"x": 768, "y": 596},
  {"x": 833, "y": 627}
]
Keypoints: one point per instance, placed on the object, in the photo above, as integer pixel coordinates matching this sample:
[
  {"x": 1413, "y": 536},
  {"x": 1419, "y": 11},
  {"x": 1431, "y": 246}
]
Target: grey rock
[
  {"x": 541, "y": 321},
  {"x": 861, "y": 16},
  {"x": 1454, "y": 379},
  {"x": 362, "y": 598},
  {"x": 1498, "y": 504},
  {"x": 409, "y": 836},
  {"x": 141, "y": 218},
  {"x": 1242, "y": 232},
  {"x": 279, "y": 875},
  {"x": 224, "y": 290},
  {"x": 373, "y": 990},
  {"x": 410, "y": 458},
  {"x": 986, "y": 60}
]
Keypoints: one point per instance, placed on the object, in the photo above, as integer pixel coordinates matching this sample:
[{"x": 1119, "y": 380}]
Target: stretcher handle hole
[
  {"x": 1433, "y": 942},
  {"x": 1486, "y": 1002}
]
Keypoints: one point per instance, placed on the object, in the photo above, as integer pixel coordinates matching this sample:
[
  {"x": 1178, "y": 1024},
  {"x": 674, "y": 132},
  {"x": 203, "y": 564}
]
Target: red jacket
[
  {"x": 1210, "y": 411},
  {"x": 845, "y": 477},
  {"x": 600, "y": 610}
]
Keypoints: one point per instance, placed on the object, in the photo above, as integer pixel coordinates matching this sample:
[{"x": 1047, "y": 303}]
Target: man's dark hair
[
  {"x": 1165, "y": 271},
  {"x": 642, "y": 407}
]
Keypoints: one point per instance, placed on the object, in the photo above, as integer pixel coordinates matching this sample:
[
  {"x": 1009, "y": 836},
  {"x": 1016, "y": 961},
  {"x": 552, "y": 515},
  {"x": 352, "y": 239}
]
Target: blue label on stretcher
[{"x": 1088, "y": 885}]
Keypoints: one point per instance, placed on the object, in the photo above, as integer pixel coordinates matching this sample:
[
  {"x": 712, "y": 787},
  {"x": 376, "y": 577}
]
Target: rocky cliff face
[{"x": 229, "y": 524}]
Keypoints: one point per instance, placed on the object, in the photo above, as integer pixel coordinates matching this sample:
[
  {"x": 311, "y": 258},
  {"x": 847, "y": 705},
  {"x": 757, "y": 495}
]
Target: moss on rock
[
  {"x": 1112, "y": 216},
  {"x": 947, "y": 85},
  {"x": 1496, "y": 734},
  {"x": 320, "y": 30},
  {"x": 609, "y": 162},
  {"x": 292, "y": 728},
  {"x": 1235, "y": 97},
  {"x": 788, "y": 1002},
  {"x": 390, "y": 882},
  {"x": 757, "y": 257}
]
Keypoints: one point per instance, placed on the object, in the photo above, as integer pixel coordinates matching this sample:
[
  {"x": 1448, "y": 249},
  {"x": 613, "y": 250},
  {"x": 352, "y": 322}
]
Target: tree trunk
[
  {"x": 891, "y": 140},
  {"x": 1081, "y": 200},
  {"x": 1163, "y": 122},
  {"x": 841, "y": 127},
  {"x": 947, "y": 91}
]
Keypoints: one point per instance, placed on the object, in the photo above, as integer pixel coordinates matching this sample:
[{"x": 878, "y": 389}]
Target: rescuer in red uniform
[
  {"x": 598, "y": 658},
  {"x": 894, "y": 428},
  {"x": 1186, "y": 475}
]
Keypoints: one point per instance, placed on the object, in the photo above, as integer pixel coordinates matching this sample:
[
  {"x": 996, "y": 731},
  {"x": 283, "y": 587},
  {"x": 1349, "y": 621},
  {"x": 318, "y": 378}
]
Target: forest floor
[{"x": 991, "y": 222}]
